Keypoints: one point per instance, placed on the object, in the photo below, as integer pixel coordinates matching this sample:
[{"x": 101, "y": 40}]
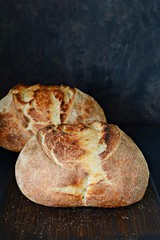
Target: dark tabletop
[{"x": 22, "y": 219}]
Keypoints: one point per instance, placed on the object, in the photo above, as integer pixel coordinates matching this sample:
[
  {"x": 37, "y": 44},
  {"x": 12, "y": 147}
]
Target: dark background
[{"x": 109, "y": 49}]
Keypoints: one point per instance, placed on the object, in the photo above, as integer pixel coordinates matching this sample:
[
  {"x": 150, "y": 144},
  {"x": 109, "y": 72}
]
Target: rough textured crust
[
  {"x": 27, "y": 109},
  {"x": 82, "y": 165}
]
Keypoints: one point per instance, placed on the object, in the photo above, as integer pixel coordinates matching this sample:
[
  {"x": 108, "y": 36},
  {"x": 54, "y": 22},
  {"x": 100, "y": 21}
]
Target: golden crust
[
  {"x": 13, "y": 135},
  {"x": 26, "y": 109},
  {"x": 127, "y": 170},
  {"x": 85, "y": 107},
  {"x": 82, "y": 165}
]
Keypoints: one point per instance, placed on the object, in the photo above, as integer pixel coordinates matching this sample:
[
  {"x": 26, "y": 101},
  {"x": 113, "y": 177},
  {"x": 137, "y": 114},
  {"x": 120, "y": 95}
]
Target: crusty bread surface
[
  {"x": 26, "y": 109},
  {"x": 70, "y": 165}
]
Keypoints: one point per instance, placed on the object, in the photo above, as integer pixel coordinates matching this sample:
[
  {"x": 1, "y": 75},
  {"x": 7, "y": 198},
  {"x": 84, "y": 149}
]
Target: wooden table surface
[{"x": 22, "y": 219}]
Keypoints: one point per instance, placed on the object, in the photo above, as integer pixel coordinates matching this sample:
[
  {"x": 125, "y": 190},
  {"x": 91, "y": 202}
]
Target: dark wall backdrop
[{"x": 107, "y": 48}]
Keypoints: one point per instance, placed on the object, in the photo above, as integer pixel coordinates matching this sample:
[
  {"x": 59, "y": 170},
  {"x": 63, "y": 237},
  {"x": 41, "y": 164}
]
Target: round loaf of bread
[
  {"x": 82, "y": 165},
  {"x": 27, "y": 109}
]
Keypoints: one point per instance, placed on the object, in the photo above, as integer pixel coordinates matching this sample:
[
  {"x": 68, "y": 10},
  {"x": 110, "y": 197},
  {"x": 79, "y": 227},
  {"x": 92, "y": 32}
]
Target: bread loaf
[
  {"x": 93, "y": 164},
  {"x": 26, "y": 109}
]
